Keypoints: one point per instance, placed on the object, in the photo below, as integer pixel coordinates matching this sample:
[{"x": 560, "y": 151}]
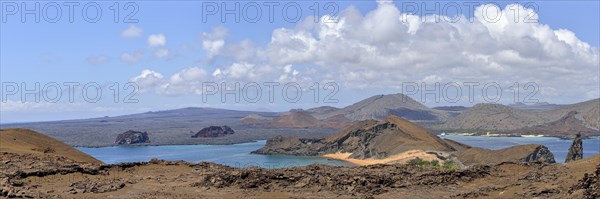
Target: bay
[
  {"x": 238, "y": 155},
  {"x": 235, "y": 155}
]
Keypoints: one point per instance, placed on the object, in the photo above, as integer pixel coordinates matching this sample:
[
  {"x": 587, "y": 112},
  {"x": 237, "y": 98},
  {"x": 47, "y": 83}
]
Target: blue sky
[{"x": 562, "y": 58}]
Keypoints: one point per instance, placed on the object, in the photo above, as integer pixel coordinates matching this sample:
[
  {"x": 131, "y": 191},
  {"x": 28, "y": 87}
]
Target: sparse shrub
[
  {"x": 154, "y": 161},
  {"x": 48, "y": 150},
  {"x": 448, "y": 165},
  {"x": 417, "y": 162}
]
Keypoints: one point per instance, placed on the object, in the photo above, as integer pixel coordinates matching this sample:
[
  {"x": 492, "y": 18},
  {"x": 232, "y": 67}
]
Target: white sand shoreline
[{"x": 398, "y": 158}]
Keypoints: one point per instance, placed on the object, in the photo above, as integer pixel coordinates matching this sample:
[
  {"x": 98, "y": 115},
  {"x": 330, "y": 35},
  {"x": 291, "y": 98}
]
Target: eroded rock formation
[
  {"x": 576, "y": 149},
  {"x": 132, "y": 137}
]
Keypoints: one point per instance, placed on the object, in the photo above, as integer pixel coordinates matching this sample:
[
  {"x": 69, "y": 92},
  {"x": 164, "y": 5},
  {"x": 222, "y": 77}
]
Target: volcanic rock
[
  {"x": 366, "y": 139},
  {"x": 576, "y": 149},
  {"x": 132, "y": 137},
  {"x": 589, "y": 185},
  {"x": 214, "y": 131}
]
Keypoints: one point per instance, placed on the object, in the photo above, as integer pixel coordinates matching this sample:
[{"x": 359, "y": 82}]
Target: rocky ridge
[{"x": 576, "y": 149}]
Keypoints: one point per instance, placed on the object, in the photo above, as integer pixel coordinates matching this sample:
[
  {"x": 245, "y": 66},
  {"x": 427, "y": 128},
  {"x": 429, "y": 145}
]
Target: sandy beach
[{"x": 398, "y": 158}]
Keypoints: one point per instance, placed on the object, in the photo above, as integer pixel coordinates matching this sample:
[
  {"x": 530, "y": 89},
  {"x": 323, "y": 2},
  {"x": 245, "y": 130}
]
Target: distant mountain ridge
[
  {"x": 380, "y": 106},
  {"x": 535, "y": 106},
  {"x": 505, "y": 118},
  {"x": 563, "y": 127}
]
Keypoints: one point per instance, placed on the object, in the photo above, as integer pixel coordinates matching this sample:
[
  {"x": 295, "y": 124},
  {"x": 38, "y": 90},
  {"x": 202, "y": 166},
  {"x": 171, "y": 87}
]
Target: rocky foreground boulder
[
  {"x": 214, "y": 131},
  {"x": 587, "y": 187},
  {"x": 132, "y": 137},
  {"x": 576, "y": 149}
]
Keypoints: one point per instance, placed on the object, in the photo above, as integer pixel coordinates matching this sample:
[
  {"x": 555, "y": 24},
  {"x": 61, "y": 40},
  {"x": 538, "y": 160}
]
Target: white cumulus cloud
[
  {"x": 157, "y": 40},
  {"x": 132, "y": 58},
  {"x": 131, "y": 32}
]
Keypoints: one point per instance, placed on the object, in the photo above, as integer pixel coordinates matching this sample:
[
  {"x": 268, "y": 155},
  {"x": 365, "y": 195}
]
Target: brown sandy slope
[
  {"x": 336, "y": 122},
  {"x": 297, "y": 119},
  {"x": 520, "y": 153},
  {"x": 254, "y": 120},
  {"x": 25, "y": 141}
]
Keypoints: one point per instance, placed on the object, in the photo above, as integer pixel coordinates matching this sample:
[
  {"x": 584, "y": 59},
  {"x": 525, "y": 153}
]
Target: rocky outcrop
[
  {"x": 541, "y": 153},
  {"x": 292, "y": 146},
  {"x": 576, "y": 149},
  {"x": 214, "y": 131},
  {"x": 516, "y": 154},
  {"x": 587, "y": 187},
  {"x": 132, "y": 137},
  {"x": 366, "y": 139}
]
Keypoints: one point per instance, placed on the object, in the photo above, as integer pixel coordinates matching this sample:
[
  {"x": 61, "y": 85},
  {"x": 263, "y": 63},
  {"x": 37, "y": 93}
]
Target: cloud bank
[{"x": 385, "y": 47}]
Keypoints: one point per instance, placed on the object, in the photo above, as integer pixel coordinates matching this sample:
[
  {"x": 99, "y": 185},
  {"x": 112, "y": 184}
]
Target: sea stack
[
  {"x": 576, "y": 149},
  {"x": 132, "y": 137}
]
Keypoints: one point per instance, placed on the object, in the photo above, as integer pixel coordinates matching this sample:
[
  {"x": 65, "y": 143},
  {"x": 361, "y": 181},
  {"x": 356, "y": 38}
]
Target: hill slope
[
  {"x": 504, "y": 118},
  {"x": 366, "y": 139},
  {"x": 296, "y": 119},
  {"x": 25, "y": 141},
  {"x": 380, "y": 106},
  {"x": 563, "y": 127}
]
